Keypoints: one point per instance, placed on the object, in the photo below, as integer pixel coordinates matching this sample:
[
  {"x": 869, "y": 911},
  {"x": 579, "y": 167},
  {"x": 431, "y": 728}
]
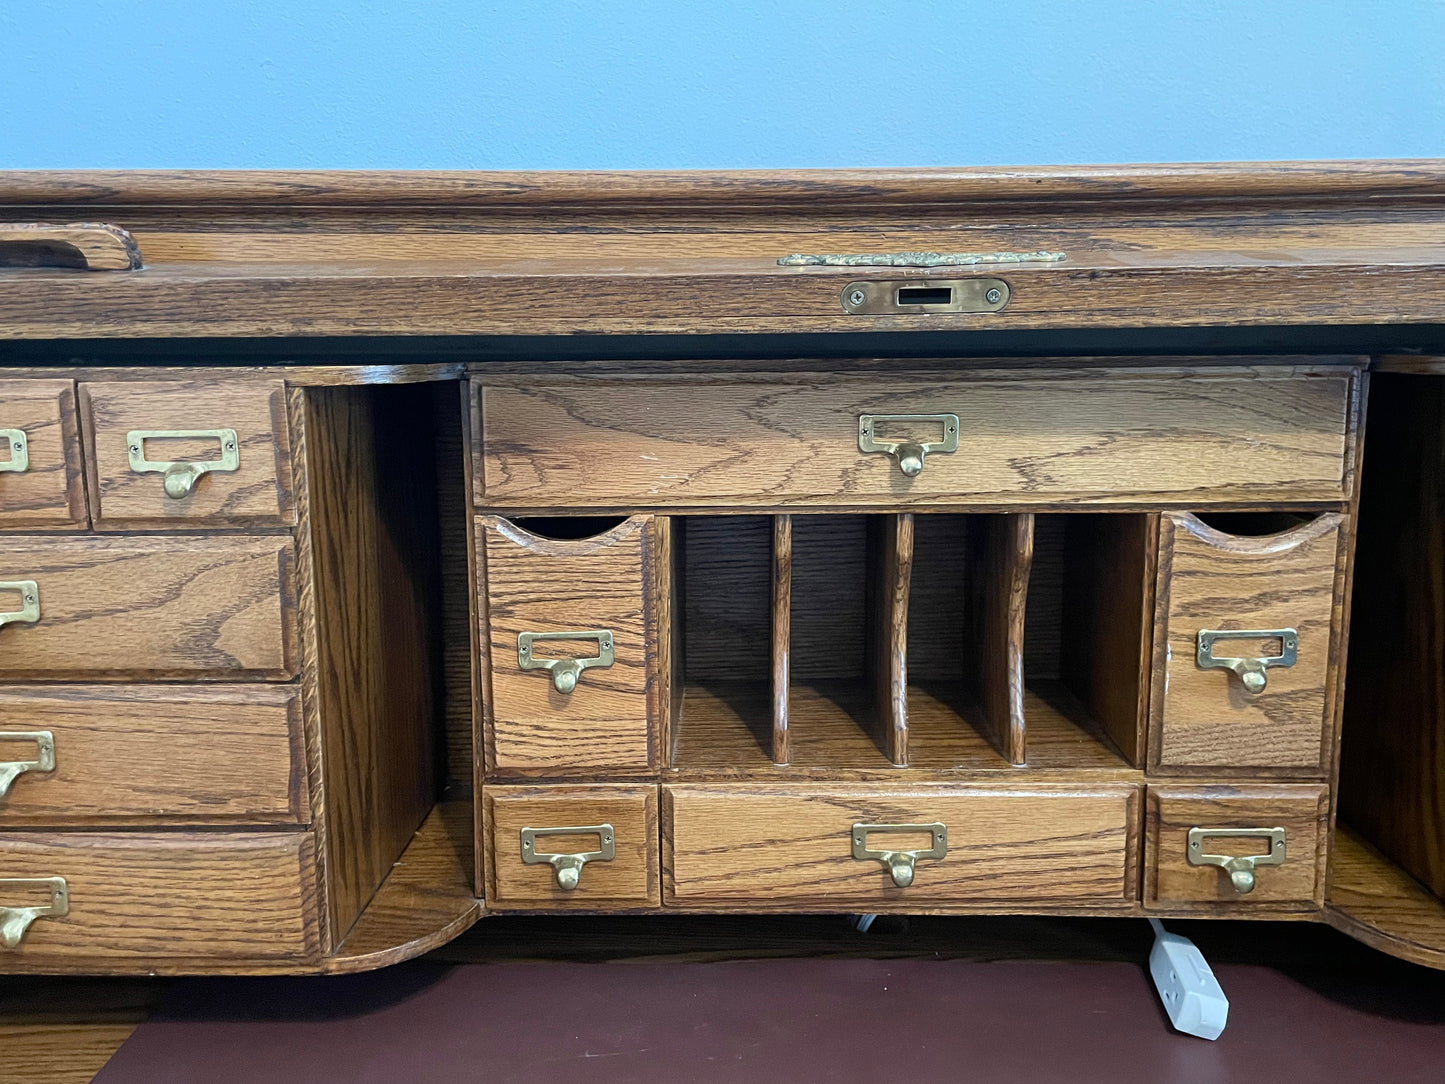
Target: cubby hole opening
[
  {"x": 1255, "y": 524},
  {"x": 1086, "y": 635},
  {"x": 568, "y": 528}
]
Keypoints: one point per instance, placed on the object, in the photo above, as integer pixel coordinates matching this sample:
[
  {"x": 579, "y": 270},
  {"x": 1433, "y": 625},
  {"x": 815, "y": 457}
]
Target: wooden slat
[
  {"x": 890, "y": 571},
  {"x": 782, "y": 629},
  {"x": 1000, "y": 553}
]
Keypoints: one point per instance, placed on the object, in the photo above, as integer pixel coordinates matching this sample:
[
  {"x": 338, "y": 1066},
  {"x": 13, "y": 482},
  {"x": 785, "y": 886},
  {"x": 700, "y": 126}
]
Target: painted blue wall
[{"x": 443, "y": 84}]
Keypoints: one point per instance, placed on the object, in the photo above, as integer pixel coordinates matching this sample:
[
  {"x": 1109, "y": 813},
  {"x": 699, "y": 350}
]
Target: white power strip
[{"x": 1191, "y": 994}]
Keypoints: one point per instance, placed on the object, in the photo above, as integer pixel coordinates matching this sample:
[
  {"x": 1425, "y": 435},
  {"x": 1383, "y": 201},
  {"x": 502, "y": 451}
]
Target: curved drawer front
[
  {"x": 138, "y": 607},
  {"x": 152, "y": 754},
  {"x": 179, "y": 895},
  {"x": 796, "y": 844},
  {"x": 1284, "y": 433}
]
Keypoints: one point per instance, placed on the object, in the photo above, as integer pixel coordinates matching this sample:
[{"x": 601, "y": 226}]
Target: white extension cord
[{"x": 1191, "y": 994}]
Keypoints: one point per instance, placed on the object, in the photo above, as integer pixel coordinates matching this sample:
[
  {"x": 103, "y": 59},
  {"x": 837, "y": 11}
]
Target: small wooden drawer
[
  {"x": 135, "y": 897},
  {"x": 610, "y": 591},
  {"x": 190, "y": 453},
  {"x": 147, "y": 607},
  {"x": 1290, "y": 584},
  {"x": 1275, "y": 835},
  {"x": 40, "y": 474},
  {"x": 1283, "y": 433},
  {"x": 828, "y": 846},
  {"x": 613, "y": 825},
  {"x": 151, "y": 755}
]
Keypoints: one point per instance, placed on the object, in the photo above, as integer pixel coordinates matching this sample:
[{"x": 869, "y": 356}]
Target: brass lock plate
[
  {"x": 921, "y": 296},
  {"x": 19, "y": 460},
  {"x": 1250, "y": 668}
]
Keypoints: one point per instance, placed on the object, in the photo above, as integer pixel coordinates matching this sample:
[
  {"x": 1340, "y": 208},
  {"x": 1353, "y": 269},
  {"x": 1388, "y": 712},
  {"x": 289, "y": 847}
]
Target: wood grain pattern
[
  {"x": 792, "y": 843},
  {"x": 1374, "y": 901},
  {"x": 375, "y": 560},
  {"x": 137, "y": 898},
  {"x": 454, "y": 523},
  {"x": 891, "y": 569},
  {"x": 86, "y": 245},
  {"x": 152, "y": 607},
  {"x": 155, "y": 755},
  {"x": 629, "y": 880},
  {"x": 536, "y": 584},
  {"x": 1171, "y": 883},
  {"x": 1206, "y": 436},
  {"x": 782, "y": 621},
  {"x": 1000, "y": 554},
  {"x": 50, "y": 491},
  {"x": 257, "y": 494},
  {"x": 1212, "y": 580}
]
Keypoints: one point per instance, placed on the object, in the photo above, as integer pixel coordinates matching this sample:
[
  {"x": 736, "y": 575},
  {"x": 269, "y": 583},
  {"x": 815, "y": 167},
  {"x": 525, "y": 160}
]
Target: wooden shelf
[{"x": 1375, "y": 901}]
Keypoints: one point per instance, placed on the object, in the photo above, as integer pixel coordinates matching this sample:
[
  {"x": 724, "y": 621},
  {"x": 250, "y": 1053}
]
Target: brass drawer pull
[
  {"x": 14, "y": 921},
  {"x": 1251, "y": 669},
  {"x": 908, "y": 454},
  {"x": 19, "y": 460},
  {"x": 29, "y": 611},
  {"x": 899, "y": 863},
  {"x": 567, "y": 867},
  {"x": 1239, "y": 867},
  {"x": 565, "y": 672},
  {"x": 181, "y": 477},
  {"x": 11, "y": 770}
]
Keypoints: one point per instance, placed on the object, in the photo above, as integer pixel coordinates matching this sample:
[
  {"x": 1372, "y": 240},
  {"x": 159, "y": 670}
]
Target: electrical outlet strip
[{"x": 1191, "y": 994}]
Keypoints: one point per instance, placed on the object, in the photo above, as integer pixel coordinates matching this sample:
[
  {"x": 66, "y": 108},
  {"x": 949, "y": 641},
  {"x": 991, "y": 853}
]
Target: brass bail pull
[
  {"x": 565, "y": 671},
  {"x": 910, "y": 455},
  {"x": 1249, "y": 668},
  {"x": 16, "y": 921},
  {"x": 19, "y": 460},
  {"x": 44, "y": 760},
  {"x": 899, "y": 863},
  {"x": 1240, "y": 867},
  {"x": 29, "y": 611},
  {"x": 567, "y": 866},
  {"x": 181, "y": 475}
]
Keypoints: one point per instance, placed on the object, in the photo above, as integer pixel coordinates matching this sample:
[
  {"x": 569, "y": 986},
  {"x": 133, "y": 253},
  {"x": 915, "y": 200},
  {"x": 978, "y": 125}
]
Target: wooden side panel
[
  {"x": 891, "y": 569},
  {"x": 630, "y": 879},
  {"x": 376, "y": 585},
  {"x": 1197, "y": 436},
  {"x": 1171, "y": 882},
  {"x": 157, "y": 754},
  {"x": 744, "y": 843},
  {"x": 1210, "y": 580},
  {"x": 1375, "y": 901},
  {"x": 1108, "y": 622},
  {"x": 138, "y": 896},
  {"x": 535, "y": 584},
  {"x": 259, "y": 493},
  {"x": 151, "y": 607},
  {"x": 1392, "y": 747},
  {"x": 50, "y": 491},
  {"x": 782, "y": 617},
  {"x": 458, "y": 593},
  {"x": 1000, "y": 553}
]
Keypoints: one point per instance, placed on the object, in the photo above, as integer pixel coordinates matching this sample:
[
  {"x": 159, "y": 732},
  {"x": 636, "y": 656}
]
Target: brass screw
[
  {"x": 857, "y": 297},
  {"x": 993, "y": 297}
]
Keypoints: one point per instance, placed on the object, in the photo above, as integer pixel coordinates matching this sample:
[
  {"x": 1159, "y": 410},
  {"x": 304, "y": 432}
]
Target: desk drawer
[
  {"x": 152, "y": 755},
  {"x": 1274, "y": 709},
  {"x": 147, "y": 607},
  {"x": 607, "y": 589},
  {"x": 186, "y": 454},
  {"x": 1283, "y": 828},
  {"x": 1231, "y": 433},
  {"x": 40, "y": 475},
  {"x": 620, "y": 832},
  {"x": 771, "y": 845},
  {"x": 153, "y": 896}
]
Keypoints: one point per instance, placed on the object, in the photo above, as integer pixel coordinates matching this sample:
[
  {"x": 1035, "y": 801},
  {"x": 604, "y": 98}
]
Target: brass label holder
[
  {"x": 19, "y": 460},
  {"x": 14, "y": 921},
  {"x": 567, "y": 867},
  {"x": 181, "y": 476},
  {"x": 11, "y": 770},
  {"x": 1239, "y": 867},
  {"x": 908, "y": 454},
  {"x": 899, "y": 863},
  {"x": 565, "y": 672},
  {"x": 1251, "y": 669},
  {"x": 29, "y": 611}
]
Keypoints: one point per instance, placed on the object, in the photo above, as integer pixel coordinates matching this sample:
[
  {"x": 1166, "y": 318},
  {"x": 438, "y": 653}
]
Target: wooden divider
[
  {"x": 1000, "y": 554},
  {"x": 782, "y": 622},
  {"x": 890, "y": 544}
]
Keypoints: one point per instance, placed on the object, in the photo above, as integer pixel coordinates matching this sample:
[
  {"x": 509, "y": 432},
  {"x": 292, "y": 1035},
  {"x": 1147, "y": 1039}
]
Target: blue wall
[{"x": 462, "y": 84}]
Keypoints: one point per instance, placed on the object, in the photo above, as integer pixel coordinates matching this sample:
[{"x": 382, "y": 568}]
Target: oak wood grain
[
  {"x": 86, "y": 245},
  {"x": 723, "y": 842},
  {"x": 629, "y": 880},
  {"x": 1170, "y": 882},
  {"x": 153, "y": 755},
  {"x": 257, "y": 494},
  {"x": 1211, "y": 580},
  {"x": 653, "y": 443},
  {"x": 1375, "y": 901},
  {"x": 999, "y": 553},
  {"x": 137, "y": 898},
  {"x": 50, "y": 491},
  {"x": 782, "y": 610},
  {"x": 890, "y": 569},
  {"x": 152, "y": 607}
]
